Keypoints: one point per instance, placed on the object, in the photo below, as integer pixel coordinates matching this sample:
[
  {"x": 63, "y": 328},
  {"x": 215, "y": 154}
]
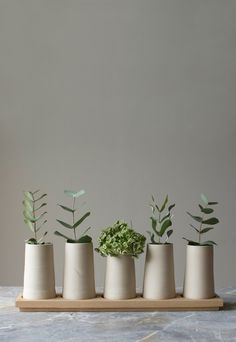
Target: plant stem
[
  {"x": 73, "y": 217},
  {"x": 200, "y": 228},
  {"x": 35, "y": 233},
  {"x": 159, "y": 221}
]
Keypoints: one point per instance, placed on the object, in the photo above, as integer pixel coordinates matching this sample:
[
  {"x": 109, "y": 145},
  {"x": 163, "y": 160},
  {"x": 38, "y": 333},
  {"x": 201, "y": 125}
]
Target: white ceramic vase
[
  {"x": 159, "y": 277},
  {"x": 120, "y": 277},
  {"x": 39, "y": 277},
  {"x": 199, "y": 272},
  {"x": 79, "y": 271}
]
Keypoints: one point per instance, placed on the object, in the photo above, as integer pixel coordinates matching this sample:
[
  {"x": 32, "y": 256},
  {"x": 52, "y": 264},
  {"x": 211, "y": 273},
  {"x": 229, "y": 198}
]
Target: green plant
[
  {"x": 75, "y": 224},
  {"x": 161, "y": 221},
  {"x": 204, "y": 223},
  {"x": 31, "y": 217},
  {"x": 120, "y": 239}
]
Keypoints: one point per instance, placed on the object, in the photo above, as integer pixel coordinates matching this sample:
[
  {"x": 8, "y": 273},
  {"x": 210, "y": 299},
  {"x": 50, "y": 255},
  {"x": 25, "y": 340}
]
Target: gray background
[{"x": 124, "y": 99}]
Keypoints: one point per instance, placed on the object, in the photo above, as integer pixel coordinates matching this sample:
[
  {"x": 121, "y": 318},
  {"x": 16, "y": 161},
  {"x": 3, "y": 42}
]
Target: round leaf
[
  {"x": 204, "y": 199},
  {"x": 211, "y": 221},
  {"x": 206, "y": 210},
  {"x": 205, "y": 230},
  {"x": 74, "y": 194},
  {"x": 28, "y": 195}
]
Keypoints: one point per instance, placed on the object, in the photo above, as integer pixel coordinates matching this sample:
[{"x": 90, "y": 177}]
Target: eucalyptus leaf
[
  {"x": 191, "y": 242},
  {"x": 196, "y": 218},
  {"x": 211, "y": 221},
  {"x": 205, "y": 230},
  {"x": 202, "y": 222},
  {"x": 204, "y": 199},
  {"x": 79, "y": 193},
  {"x": 31, "y": 241},
  {"x": 62, "y": 235},
  {"x": 29, "y": 224},
  {"x": 42, "y": 205},
  {"x": 66, "y": 225},
  {"x": 30, "y": 219},
  {"x": 28, "y": 195},
  {"x": 74, "y": 194},
  {"x": 81, "y": 220},
  {"x": 209, "y": 243},
  {"x": 85, "y": 239},
  {"x": 39, "y": 217},
  {"x": 28, "y": 205},
  {"x": 70, "y": 193},
  {"x": 38, "y": 199},
  {"x": 67, "y": 209},
  {"x": 86, "y": 230},
  {"x": 28, "y": 216},
  {"x": 206, "y": 210}
]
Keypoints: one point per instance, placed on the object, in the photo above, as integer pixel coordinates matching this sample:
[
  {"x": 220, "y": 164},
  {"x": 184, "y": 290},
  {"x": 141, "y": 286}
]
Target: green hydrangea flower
[{"x": 120, "y": 239}]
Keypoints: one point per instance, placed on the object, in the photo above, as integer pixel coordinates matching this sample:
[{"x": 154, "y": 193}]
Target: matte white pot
[
  {"x": 39, "y": 277},
  {"x": 79, "y": 271},
  {"x": 199, "y": 272},
  {"x": 120, "y": 277},
  {"x": 159, "y": 277}
]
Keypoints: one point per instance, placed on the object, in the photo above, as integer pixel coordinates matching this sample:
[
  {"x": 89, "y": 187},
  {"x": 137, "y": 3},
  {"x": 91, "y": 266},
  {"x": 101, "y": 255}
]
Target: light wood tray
[{"x": 136, "y": 304}]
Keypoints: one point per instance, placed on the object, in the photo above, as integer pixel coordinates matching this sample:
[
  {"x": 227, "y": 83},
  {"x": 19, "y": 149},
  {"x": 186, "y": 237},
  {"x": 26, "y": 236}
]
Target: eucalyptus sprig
[
  {"x": 120, "y": 239},
  {"x": 83, "y": 238},
  {"x": 32, "y": 215},
  {"x": 205, "y": 223},
  {"x": 161, "y": 221}
]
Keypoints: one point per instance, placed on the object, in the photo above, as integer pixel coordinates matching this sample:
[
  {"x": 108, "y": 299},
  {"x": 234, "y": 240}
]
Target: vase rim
[
  {"x": 202, "y": 246},
  {"x": 79, "y": 243},
  {"x": 46, "y": 244},
  {"x": 120, "y": 256},
  {"x": 160, "y": 244}
]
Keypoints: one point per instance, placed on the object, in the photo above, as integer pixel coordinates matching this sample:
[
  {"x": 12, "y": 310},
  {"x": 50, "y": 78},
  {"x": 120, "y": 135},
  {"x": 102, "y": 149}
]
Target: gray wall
[{"x": 124, "y": 99}]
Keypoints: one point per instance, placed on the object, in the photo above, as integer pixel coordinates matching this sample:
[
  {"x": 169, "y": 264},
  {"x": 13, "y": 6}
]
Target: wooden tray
[{"x": 136, "y": 304}]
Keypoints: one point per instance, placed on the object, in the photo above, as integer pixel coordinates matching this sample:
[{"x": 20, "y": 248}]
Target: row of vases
[{"x": 120, "y": 283}]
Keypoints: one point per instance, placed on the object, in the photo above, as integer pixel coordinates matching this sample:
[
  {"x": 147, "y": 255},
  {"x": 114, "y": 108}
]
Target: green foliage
[
  {"x": 83, "y": 238},
  {"x": 33, "y": 217},
  {"x": 161, "y": 221},
  {"x": 120, "y": 239},
  {"x": 203, "y": 222}
]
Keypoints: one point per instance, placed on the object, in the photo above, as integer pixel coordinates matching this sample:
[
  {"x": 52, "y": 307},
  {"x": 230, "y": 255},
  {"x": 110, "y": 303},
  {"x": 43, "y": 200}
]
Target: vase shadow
[{"x": 229, "y": 305}]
